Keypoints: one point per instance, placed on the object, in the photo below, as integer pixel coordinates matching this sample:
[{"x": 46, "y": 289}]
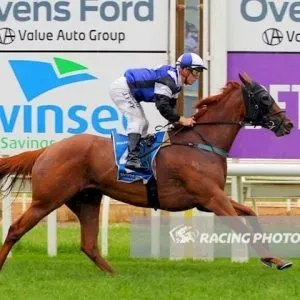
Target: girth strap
[
  {"x": 205, "y": 147},
  {"x": 211, "y": 148},
  {"x": 152, "y": 193}
]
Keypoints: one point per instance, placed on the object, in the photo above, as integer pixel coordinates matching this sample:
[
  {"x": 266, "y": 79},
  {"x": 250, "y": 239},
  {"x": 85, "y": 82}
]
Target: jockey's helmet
[{"x": 191, "y": 61}]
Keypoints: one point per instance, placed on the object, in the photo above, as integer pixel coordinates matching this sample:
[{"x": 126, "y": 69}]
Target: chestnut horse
[{"x": 79, "y": 170}]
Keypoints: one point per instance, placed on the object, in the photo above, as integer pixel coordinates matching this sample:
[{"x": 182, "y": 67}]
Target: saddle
[{"x": 149, "y": 147}]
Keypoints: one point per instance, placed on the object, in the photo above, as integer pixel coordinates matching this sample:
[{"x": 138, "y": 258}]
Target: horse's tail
[{"x": 20, "y": 164}]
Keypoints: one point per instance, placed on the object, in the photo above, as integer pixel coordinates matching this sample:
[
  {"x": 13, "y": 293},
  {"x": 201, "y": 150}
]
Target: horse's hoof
[
  {"x": 113, "y": 275},
  {"x": 266, "y": 263},
  {"x": 284, "y": 266}
]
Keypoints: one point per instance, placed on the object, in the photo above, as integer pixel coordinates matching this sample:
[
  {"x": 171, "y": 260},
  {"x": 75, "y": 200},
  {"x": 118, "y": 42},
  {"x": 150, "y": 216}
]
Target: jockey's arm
[
  {"x": 166, "y": 107},
  {"x": 165, "y": 101}
]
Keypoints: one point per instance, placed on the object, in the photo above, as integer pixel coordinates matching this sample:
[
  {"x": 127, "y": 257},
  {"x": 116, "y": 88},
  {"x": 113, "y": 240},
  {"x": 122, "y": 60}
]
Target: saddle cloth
[{"x": 120, "y": 143}]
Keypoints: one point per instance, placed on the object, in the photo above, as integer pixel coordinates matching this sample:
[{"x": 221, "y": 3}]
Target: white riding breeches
[{"x": 127, "y": 104}]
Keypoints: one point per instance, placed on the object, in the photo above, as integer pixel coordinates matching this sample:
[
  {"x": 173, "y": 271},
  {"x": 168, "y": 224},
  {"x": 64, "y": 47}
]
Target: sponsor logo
[
  {"x": 273, "y": 12},
  {"x": 107, "y": 11},
  {"x": 279, "y": 11},
  {"x": 7, "y": 36},
  {"x": 60, "y": 117},
  {"x": 37, "y": 78},
  {"x": 272, "y": 37}
]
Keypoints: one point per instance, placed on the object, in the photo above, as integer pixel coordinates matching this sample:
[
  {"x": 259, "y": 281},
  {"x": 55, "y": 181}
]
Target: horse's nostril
[{"x": 288, "y": 125}]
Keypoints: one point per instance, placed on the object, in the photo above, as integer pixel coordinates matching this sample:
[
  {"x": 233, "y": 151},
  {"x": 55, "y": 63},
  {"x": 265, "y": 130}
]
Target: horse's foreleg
[
  {"x": 243, "y": 210},
  {"x": 222, "y": 206},
  {"x": 87, "y": 212},
  {"x": 37, "y": 211}
]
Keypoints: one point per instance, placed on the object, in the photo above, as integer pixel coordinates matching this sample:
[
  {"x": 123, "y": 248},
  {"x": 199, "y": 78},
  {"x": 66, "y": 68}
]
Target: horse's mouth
[{"x": 284, "y": 129}]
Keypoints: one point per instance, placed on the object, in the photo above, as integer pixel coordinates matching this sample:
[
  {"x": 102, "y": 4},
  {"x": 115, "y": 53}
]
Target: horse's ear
[{"x": 245, "y": 79}]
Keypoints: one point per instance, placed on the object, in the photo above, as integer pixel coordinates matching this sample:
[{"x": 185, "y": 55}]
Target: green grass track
[{"x": 30, "y": 274}]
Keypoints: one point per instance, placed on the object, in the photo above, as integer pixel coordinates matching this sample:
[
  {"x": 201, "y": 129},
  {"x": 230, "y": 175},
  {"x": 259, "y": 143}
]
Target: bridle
[
  {"x": 257, "y": 112},
  {"x": 258, "y": 103},
  {"x": 256, "y": 115}
]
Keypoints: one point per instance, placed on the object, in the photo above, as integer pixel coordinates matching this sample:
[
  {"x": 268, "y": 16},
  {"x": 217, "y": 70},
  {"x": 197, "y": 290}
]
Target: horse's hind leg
[
  {"x": 87, "y": 208},
  {"x": 37, "y": 211}
]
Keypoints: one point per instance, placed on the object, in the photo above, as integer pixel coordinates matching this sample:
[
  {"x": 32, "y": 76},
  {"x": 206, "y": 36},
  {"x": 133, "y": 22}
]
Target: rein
[
  {"x": 255, "y": 116},
  {"x": 208, "y": 146},
  {"x": 238, "y": 123}
]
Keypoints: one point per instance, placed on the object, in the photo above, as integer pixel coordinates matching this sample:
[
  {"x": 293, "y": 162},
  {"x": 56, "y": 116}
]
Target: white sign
[
  {"x": 264, "y": 25},
  {"x": 46, "y": 97},
  {"x": 58, "y": 58},
  {"x": 99, "y": 25}
]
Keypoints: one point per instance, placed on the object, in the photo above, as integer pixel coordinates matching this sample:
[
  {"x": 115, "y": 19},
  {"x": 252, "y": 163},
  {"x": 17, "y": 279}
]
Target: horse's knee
[
  {"x": 246, "y": 211},
  {"x": 220, "y": 205},
  {"x": 250, "y": 212}
]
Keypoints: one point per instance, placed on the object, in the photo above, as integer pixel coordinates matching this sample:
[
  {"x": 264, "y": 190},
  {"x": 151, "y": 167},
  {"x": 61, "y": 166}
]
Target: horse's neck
[{"x": 221, "y": 135}]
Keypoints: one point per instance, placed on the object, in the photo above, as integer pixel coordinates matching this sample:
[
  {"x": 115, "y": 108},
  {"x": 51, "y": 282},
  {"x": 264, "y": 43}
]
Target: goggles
[{"x": 196, "y": 72}]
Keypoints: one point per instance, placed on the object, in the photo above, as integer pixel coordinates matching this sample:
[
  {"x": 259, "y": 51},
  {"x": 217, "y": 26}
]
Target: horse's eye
[{"x": 265, "y": 98}]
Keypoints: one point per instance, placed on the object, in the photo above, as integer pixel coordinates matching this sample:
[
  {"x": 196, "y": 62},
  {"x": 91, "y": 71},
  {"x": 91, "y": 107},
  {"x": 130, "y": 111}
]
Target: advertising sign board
[
  {"x": 280, "y": 75},
  {"x": 58, "y": 59},
  {"x": 263, "y": 25}
]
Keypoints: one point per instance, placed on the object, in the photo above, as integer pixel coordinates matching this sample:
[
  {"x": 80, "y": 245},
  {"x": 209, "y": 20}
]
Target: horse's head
[{"x": 261, "y": 108}]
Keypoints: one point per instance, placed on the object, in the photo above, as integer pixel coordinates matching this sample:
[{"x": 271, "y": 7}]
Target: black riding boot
[{"x": 133, "y": 160}]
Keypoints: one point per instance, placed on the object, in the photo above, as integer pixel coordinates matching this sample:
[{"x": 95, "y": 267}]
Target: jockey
[{"x": 161, "y": 86}]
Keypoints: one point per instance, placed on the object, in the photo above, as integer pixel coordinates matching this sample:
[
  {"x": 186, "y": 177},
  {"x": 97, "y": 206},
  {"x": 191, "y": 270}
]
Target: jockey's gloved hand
[{"x": 187, "y": 121}]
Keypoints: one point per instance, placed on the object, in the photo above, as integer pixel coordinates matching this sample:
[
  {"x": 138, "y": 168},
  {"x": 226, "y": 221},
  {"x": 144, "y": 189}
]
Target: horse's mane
[{"x": 230, "y": 86}]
